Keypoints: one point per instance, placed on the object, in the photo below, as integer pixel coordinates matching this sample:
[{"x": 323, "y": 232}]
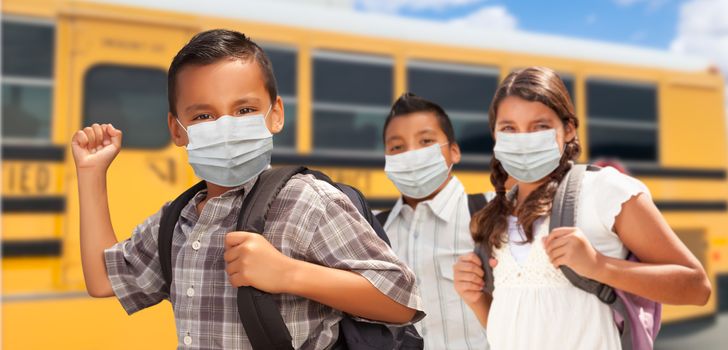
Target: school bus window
[
  {"x": 26, "y": 111},
  {"x": 27, "y": 79},
  {"x": 464, "y": 92},
  {"x": 27, "y": 48},
  {"x": 625, "y": 109},
  {"x": 133, "y": 99},
  {"x": 352, "y": 95},
  {"x": 284, "y": 62},
  {"x": 569, "y": 84}
]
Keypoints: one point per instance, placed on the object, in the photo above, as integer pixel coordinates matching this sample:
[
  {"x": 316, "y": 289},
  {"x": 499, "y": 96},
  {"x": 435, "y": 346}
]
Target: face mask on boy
[
  {"x": 230, "y": 151},
  {"x": 528, "y": 157},
  {"x": 418, "y": 173}
]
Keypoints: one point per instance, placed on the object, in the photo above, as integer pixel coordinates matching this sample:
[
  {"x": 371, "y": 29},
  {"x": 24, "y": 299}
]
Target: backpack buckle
[{"x": 607, "y": 294}]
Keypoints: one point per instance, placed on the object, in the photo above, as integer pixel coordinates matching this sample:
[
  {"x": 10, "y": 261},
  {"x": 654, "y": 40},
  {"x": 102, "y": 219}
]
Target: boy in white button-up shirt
[{"x": 429, "y": 224}]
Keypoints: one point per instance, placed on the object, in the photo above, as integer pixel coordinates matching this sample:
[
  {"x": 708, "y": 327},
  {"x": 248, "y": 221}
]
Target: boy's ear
[
  {"x": 179, "y": 135},
  {"x": 276, "y": 118},
  {"x": 455, "y": 154}
]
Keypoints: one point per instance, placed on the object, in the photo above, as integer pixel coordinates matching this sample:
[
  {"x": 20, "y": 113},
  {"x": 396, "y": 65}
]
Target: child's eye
[
  {"x": 202, "y": 117},
  {"x": 427, "y": 141},
  {"x": 543, "y": 126},
  {"x": 245, "y": 110},
  {"x": 508, "y": 129},
  {"x": 395, "y": 148}
]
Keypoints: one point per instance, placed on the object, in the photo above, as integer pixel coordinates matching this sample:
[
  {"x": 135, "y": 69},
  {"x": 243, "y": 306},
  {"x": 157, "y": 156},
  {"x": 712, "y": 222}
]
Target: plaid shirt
[{"x": 310, "y": 220}]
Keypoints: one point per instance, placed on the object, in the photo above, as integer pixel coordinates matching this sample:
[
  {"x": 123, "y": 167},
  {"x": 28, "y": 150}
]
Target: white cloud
[
  {"x": 492, "y": 17},
  {"x": 393, "y": 6},
  {"x": 703, "y": 30}
]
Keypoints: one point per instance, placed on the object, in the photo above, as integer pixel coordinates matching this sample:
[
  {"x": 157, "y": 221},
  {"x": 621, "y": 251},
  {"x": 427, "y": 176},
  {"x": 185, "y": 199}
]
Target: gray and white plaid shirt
[{"x": 310, "y": 220}]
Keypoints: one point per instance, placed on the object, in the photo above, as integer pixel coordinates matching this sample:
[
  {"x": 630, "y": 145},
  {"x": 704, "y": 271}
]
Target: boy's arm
[
  {"x": 347, "y": 266},
  {"x": 94, "y": 148},
  {"x": 347, "y": 291},
  {"x": 340, "y": 289}
]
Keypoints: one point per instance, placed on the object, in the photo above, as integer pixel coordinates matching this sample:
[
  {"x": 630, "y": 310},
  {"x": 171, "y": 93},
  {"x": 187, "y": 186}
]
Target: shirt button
[
  {"x": 196, "y": 245},
  {"x": 187, "y": 340},
  {"x": 190, "y": 292}
]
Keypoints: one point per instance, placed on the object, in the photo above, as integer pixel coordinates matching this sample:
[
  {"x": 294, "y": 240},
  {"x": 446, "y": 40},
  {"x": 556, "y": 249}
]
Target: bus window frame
[
  {"x": 467, "y": 160},
  {"x": 107, "y": 64},
  {"x": 621, "y": 124},
  {"x": 349, "y": 57},
  {"x": 287, "y": 99},
  {"x": 19, "y": 80}
]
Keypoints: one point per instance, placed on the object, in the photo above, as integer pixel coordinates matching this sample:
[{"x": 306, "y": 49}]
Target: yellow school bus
[{"x": 67, "y": 64}]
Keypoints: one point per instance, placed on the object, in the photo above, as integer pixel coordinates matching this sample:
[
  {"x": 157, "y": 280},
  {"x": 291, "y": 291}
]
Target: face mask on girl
[
  {"x": 528, "y": 157},
  {"x": 230, "y": 151},
  {"x": 418, "y": 173}
]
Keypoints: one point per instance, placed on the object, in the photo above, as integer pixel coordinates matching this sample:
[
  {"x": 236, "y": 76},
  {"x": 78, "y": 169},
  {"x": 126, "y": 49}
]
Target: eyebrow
[
  {"x": 392, "y": 138},
  {"x": 197, "y": 106},
  {"x": 542, "y": 120},
  {"x": 507, "y": 121},
  {"x": 426, "y": 131},
  {"x": 240, "y": 101},
  {"x": 246, "y": 100}
]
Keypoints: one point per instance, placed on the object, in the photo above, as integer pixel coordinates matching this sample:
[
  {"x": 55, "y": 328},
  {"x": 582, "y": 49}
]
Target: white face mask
[
  {"x": 230, "y": 151},
  {"x": 528, "y": 157},
  {"x": 418, "y": 173}
]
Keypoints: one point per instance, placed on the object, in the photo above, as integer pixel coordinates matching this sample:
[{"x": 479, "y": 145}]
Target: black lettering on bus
[
  {"x": 24, "y": 169},
  {"x": 169, "y": 174},
  {"x": 42, "y": 179}
]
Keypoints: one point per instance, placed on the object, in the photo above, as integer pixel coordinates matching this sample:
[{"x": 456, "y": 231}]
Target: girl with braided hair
[{"x": 533, "y": 305}]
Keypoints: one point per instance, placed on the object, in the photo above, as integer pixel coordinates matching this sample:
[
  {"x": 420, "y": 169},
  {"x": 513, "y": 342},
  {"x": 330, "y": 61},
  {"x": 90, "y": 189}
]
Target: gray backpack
[{"x": 637, "y": 318}]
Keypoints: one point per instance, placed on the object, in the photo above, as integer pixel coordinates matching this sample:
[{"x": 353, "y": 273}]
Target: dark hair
[
  {"x": 536, "y": 84},
  {"x": 213, "y": 45},
  {"x": 411, "y": 103}
]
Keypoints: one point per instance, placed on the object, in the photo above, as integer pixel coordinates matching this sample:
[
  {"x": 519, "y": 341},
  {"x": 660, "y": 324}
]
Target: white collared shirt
[{"x": 429, "y": 239}]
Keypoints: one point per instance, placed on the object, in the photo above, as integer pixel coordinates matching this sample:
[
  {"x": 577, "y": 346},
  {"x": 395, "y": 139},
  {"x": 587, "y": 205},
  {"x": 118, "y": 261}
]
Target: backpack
[
  {"x": 638, "y": 319},
  {"x": 258, "y": 312},
  {"x": 476, "y": 201}
]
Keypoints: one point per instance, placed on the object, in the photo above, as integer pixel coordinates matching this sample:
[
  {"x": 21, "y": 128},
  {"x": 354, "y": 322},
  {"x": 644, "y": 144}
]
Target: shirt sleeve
[
  {"x": 345, "y": 240},
  {"x": 613, "y": 190},
  {"x": 134, "y": 270}
]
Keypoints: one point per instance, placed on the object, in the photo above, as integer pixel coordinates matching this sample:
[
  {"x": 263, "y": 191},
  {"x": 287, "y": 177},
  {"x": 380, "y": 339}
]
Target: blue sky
[{"x": 650, "y": 23}]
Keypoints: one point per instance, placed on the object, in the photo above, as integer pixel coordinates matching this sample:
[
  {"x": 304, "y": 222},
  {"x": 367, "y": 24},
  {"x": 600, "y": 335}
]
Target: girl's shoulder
[
  {"x": 609, "y": 183},
  {"x": 603, "y": 194}
]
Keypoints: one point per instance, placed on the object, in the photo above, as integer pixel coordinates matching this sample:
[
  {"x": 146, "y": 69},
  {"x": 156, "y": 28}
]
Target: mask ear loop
[
  {"x": 182, "y": 126},
  {"x": 270, "y": 108}
]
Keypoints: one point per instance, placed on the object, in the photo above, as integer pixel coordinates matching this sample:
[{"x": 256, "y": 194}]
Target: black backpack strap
[
  {"x": 563, "y": 213},
  {"x": 167, "y": 223},
  {"x": 258, "y": 312},
  {"x": 476, "y": 201},
  {"x": 382, "y": 216}
]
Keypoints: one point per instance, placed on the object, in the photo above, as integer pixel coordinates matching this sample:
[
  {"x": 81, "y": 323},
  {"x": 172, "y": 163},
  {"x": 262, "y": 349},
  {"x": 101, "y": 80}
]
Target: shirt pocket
[{"x": 445, "y": 264}]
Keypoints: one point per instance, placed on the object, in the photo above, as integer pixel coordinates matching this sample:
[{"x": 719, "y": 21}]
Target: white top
[
  {"x": 430, "y": 239},
  {"x": 534, "y": 305}
]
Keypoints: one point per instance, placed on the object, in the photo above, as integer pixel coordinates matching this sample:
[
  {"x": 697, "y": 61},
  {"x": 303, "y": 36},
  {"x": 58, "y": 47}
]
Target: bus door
[{"x": 118, "y": 76}]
